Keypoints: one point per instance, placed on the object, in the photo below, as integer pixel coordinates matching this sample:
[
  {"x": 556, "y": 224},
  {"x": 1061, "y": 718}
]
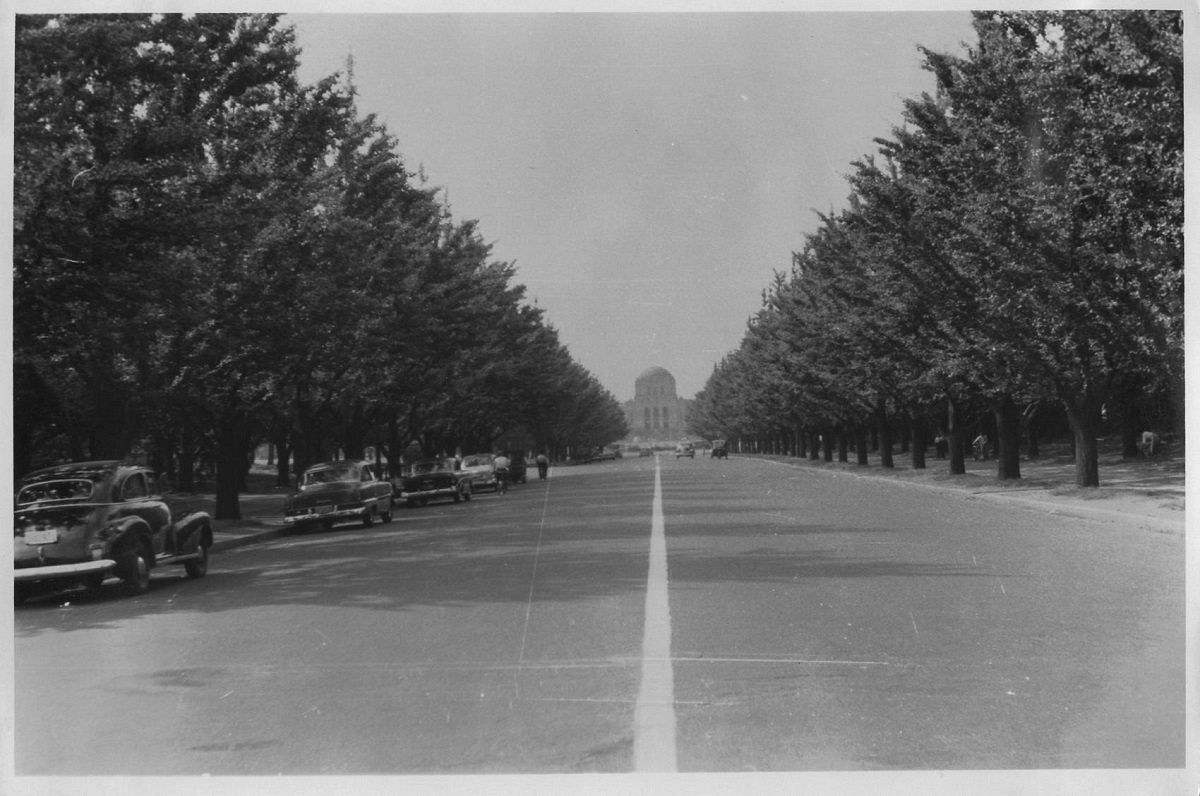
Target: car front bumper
[
  {"x": 449, "y": 491},
  {"x": 325, "y": 516},
  {"x": 60, "y": 571}
]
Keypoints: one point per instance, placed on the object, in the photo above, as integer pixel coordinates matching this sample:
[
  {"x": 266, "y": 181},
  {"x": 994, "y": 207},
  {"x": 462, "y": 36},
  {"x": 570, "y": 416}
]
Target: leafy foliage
[{"x": 209, "y": 253}]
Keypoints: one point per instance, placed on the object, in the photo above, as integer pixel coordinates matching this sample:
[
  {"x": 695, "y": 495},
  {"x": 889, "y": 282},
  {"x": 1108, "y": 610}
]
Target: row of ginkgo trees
[
  {"x": 210, "y": 254},
  {"x": 1015, "y": 246}
]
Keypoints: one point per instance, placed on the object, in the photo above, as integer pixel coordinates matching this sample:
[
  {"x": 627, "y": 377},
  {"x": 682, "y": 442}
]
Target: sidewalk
[
  {"x": 262, "y": 519},
  {"x": 1148, "y": 493}
]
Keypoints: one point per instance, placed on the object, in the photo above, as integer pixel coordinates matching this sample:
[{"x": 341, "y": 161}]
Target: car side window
[
  {"x": 367, "y": 475},
  {"x": 134, "y": 487}
]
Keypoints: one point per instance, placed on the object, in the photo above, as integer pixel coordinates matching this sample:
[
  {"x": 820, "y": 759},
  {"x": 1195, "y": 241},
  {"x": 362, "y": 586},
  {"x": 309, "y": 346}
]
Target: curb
[{"x": 230, "y": 541}]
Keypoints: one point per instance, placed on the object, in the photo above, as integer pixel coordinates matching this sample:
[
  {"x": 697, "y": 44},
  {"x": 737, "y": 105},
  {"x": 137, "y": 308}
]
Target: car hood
[{"x": 323, "y": 493}]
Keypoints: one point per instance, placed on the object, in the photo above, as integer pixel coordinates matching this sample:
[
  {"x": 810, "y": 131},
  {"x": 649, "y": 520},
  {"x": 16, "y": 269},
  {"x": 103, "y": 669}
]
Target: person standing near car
[{"x": 501, "y": 464}]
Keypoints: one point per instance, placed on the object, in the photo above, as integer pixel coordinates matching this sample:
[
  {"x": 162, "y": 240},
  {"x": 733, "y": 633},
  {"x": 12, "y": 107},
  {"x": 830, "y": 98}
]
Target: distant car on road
[
  {"x": 479, "y": 469},
  {"x": 719, "y": 451},
  {"x": 685, "y": 449},
  {"x": 517, "y": 467},
  {"x": 79, "y": 523},
  {"x": 434, "y": 479},
  {"x": 338, "y": 491}
]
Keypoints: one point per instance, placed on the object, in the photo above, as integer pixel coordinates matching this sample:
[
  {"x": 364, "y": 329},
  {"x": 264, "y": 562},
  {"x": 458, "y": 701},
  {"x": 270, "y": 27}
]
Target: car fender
[
  {"x": 128, "y": 532},
  {"x": 192, "y": 531}
]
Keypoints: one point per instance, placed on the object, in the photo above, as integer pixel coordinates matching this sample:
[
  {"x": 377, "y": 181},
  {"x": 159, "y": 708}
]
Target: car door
[{"x": 134, "y": 499}]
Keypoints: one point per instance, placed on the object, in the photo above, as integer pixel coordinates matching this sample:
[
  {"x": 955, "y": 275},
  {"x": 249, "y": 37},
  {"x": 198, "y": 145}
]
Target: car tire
[
  {"x": 198, "y": 567},
  {"x": 368, "y": 517},
  {"x": 387, "y": 515},
  {"x": 467, "y": 493},
  {"x": 135, "y": 571}
]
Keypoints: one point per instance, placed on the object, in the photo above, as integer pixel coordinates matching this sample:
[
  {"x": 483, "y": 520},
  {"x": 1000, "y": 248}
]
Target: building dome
[
  {"x": 653, "y": 371},
  {"x": 656, "y": 413},
  {"x": 655, "y": 381}
]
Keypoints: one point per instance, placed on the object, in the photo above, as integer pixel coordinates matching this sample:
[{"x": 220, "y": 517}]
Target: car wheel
[
  {"x": 458, "y": 495},
  {"x": 198, "y": 567},
  {"x": 135, "y": 571},
  {"x": 467, "y": 493},
  {"x": 387, "y": 515},
  {"x": 368, "y": 517}
]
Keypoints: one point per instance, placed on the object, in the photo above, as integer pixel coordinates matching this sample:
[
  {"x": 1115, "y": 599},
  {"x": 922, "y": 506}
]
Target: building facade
[{"x": 656, "y": 413}]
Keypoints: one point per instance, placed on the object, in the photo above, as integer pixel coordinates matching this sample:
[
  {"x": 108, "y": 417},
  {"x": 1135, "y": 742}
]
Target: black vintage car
[
  {"x": 336, "y": 492},
  {"x": 517, "y": 467},
  {"x": 76, "y": 524},
  {"x": 434, "y": 479}
]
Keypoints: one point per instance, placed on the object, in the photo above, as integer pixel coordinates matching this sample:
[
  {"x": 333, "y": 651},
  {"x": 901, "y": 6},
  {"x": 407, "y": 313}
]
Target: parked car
[
  {"x": 516, "y": 467},
  {"x": 602, "y": 455},
  {"x": 434, "y": 479},
  {"x": 333, "y": 492},
  {"x": 479, "y": 469},
  {"x": 646, "y": 452},
  {"x": 719, "y": 449},
  {"x": 685, "y": 449},
  {"x": 77, "y": 524}
]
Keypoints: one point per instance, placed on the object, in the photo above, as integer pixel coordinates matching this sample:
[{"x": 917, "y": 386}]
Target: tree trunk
[
  {"x": 957, "y": 437},
  {"x": 283, "y": 458},
  {"x": 843, "y": 443},
  {"x": 815, "y": 446},
  {"x": 920, "y": 440},
  {"x": 827, "y": 453},
  {"x": 1029, "y": 430},
  {"x": 860, "y": 444},
  {"x": 1008, "y": 439},
  {"x": 1081, "y": 412},
  {"x": 231, "y": 462},
  {"x": 885, "y": 435}
]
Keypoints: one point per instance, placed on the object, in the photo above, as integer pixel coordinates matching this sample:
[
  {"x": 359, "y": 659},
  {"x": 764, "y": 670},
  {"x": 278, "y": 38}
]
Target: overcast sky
[{"x": 645, "y": 173}]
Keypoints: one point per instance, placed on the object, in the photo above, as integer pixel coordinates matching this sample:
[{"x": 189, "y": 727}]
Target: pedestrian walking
[{"x": 501, "y": 464}]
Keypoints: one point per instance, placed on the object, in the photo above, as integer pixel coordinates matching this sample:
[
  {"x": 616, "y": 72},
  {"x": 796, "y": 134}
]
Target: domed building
[{"x": 656, "y": 413}]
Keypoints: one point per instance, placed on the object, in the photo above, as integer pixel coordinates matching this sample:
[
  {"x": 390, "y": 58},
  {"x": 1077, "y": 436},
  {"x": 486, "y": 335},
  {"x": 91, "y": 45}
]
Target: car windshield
[
  {"x": 329, "y": 475},
  {"x": 420, "y": 468},
  {"x": 48, "y": 491},
  {"x": 476, "y": 461}
]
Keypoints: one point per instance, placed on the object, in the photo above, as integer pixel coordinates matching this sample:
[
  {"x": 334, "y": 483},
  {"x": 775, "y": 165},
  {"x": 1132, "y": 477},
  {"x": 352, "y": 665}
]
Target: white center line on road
[
  {"x": 654, "y": 716},
  {"x": 537, "y": 554}
]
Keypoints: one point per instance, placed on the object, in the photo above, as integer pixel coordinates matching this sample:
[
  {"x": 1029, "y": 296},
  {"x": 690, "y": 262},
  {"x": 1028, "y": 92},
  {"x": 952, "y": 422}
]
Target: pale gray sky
[{"x": 646, "y": 173}]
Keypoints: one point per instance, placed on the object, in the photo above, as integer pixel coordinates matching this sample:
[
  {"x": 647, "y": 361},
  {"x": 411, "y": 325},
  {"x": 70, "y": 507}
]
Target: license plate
[{"x": 41, "y": 537}]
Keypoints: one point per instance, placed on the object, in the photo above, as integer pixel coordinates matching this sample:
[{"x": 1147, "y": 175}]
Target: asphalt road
[{"x": 814, "y": 622}]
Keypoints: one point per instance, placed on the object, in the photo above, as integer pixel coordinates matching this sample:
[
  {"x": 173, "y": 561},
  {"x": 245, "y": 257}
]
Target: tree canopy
[
  {"x": 1016, "y": 243},
  {"x": 209, "y": 254}
]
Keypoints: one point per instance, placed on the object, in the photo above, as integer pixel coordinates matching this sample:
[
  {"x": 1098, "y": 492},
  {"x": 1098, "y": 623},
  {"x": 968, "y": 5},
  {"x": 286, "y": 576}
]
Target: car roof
[
  {"x": 91, "y": 470},
  {"x": 337, "y": 464}
]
